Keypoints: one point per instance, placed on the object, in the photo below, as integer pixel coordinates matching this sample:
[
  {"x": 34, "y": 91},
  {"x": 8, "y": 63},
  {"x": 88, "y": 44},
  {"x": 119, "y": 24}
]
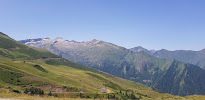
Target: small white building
[{"x": 103, "y": 90}]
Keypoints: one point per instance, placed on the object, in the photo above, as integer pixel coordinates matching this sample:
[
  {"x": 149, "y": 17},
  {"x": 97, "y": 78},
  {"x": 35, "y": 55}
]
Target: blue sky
[{"x": 153, "y": 24}]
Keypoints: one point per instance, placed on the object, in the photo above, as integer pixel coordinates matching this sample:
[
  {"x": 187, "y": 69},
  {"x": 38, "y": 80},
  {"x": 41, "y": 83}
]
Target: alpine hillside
[
  {"x": 167, "y": 76},
  {"x": 35, "y": 71}
]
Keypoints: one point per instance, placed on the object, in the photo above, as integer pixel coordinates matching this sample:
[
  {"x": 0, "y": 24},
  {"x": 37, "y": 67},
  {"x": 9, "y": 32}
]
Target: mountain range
[
  {"x": 188, "y": 56},
  {"x": 36, "y": 71},
  {"x": 164, "y": 75}
]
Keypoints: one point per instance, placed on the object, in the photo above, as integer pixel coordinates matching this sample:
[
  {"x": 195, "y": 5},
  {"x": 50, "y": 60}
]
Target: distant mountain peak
[
  {"x": 163, "y": 50},
  {"x": 95, "y": 41},
  {"x": 203, "y": 50},
  {"x": 58, "y": 39},
  {"x": 47, "y": 38},
  {"x": 31, "y": 40},
  {"x": 141, "y": 49}
]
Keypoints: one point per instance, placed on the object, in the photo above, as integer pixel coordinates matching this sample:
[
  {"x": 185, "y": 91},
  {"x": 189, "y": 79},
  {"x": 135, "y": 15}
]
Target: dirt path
[
  {"x": 41, "y": 59},
  {"x": 108, "y": 91}
]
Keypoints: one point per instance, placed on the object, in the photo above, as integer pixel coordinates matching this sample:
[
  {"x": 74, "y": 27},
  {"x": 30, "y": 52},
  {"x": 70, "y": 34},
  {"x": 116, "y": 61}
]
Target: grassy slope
[
  {"x": 15, "y": 50},
  {"x": 88, "y": 81}
]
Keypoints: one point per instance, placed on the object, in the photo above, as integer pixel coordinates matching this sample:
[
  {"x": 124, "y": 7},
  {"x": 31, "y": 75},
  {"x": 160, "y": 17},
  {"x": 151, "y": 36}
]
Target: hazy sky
[{"x": 153, "y": 24}]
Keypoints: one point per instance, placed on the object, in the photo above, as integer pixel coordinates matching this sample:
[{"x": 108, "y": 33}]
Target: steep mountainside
[
  {"x": 25, "y": 69},
  {"x": 193, "y": 57},
  {"x": 168, "y": 76}
]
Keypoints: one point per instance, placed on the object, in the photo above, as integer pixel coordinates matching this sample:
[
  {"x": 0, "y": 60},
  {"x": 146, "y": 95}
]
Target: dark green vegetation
[
  {"x": 34, "y": 91},
  {"x": 167, "y": 76},
  {"x": 40, "y": 68},
  {"x": 124, "y": 95}
]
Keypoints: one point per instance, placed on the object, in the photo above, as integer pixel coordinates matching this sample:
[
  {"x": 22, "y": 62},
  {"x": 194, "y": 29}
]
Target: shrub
[
  {"x": 16, "y": 91},
  {"x": 50, "y": 94},
  {"x": 34, "y": 91}
]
